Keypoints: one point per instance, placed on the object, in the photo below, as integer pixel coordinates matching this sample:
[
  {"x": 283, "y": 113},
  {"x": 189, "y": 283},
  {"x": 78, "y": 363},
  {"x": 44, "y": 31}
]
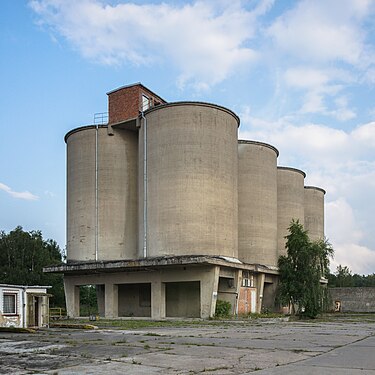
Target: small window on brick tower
[{"x": 145, "y": 102}]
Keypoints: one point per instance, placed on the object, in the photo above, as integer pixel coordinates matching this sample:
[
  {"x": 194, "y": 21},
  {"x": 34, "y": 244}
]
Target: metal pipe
[
  {"x": 144, "y": 185},
  {"x": 23, "y": 308},
  {"x": 96, "y": 192}
]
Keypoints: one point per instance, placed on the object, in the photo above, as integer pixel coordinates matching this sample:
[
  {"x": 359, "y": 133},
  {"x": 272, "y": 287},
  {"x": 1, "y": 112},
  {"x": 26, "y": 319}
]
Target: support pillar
[
  {"x": 260, "y": 288},
  {"x": 209, "y": 285},
  {"x": 237, "y": 286},
  {"x": 111, "y": 300},
  {"x": 71, "y": 297},
  {"x": 100, "y": 297},
  {"x": 157, "y": 300}
]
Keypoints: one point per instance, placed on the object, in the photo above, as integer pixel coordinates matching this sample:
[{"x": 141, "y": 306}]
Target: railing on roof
[{"x": 100, "y": 118}]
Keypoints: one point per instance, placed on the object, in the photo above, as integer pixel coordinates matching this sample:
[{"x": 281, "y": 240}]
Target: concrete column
[
  {"x": 45, "y": 311},
  {"x": 111, "y": 300},
  {"x": 157, "y": 300},
  {"x": 209, "y": 285},
  {"x": 237, "y": 286},
  {"x": 260, "y": 289},
  {"x": 100, "y": 296},
  {"x": 71, "y": 297}
]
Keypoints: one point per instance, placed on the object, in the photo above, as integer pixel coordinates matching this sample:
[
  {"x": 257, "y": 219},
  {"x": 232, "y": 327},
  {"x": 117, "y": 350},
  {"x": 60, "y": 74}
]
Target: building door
[
  {"x": 36, "y": 311},
  {"x": 253, "y": 300},
  {"x": 247, "y": 300}
]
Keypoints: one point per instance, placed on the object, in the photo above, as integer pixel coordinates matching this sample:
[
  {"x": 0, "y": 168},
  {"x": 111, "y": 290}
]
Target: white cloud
[
  {"x": 205, "y": 40},
  {"x": 304, "y": 77},
  {"x": 18, "y": 195},
  {"x": 322, "y": 30},
  {"x": 346, "y": 234},
  {"x": 342, "y": 224},
  {"x": 320, "y": 84},
  {"x": 315, "y": 144},
  {"x": 324, "y": 47},
  {"x": 359, "y": 259},
  {"x": 365, "y": 134}
]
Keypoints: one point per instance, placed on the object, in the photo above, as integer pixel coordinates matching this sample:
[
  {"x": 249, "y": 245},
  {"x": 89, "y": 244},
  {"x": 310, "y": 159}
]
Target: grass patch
[
  {"x": 142, "y": 324},
  {"x": 17, "y": 330}
]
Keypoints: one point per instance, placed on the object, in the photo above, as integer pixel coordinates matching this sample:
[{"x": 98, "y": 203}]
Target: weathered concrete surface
[
  {"x": 314, "y": 212},
  {"x": 257, "y": 203},
  {"x": 192, "y": 174},
  {"x": 267, "y": 347},
  {"x": 290, "y": 202},
  {"x": 354, "y": 299}
]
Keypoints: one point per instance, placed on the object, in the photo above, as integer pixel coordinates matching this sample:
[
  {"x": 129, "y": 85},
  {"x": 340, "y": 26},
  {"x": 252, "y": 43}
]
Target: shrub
[{"x": 223, "y": 308}]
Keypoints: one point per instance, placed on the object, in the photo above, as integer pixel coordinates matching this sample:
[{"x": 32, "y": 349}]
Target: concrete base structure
[{"x": 168, "y": 287}]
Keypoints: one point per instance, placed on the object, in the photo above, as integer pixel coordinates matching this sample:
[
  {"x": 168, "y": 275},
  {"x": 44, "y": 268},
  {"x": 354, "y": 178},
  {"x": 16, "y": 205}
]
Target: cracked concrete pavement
[{"x": 338, "y": 346}]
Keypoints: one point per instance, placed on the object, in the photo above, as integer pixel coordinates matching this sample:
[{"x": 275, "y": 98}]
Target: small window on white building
[
  {"x": 9, "y": 303},
  {"x": 145, "y": 102}
]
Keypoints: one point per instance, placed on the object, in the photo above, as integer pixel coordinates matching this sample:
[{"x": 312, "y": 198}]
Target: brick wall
[
  {"x": 354, "y": 299},
  {"x": 126, "y": 102}
]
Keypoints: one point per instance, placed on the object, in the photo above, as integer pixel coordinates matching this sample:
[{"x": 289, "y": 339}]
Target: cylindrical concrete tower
[
  {"x": 290, "y": 202},
  {"x": 191, "y": 205},
  {"x": 101, "y": 194},
  {"x": 314, "y": 212},
  {"x": 257, "y": 203}
]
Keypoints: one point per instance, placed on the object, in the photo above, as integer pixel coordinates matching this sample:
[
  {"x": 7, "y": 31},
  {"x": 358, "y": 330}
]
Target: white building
[{"x": 24, "y": 306}]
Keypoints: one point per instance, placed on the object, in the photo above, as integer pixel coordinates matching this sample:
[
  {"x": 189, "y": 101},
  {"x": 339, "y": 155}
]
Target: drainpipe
[
  {"x": 23, "y": 308},
  {"x": 96, "y": 192},
  {"x": 144, "y": 185}
]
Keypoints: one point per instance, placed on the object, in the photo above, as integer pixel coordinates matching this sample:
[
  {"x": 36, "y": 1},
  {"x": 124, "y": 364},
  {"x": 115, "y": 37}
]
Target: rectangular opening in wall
[
  {"x": 183, "y": 299},
  {"x": 88, "y": 300},
  {"x": 227, "y": 292},
  {"x": 134, "y": 300},
  {"x": 269, "y": 297}
]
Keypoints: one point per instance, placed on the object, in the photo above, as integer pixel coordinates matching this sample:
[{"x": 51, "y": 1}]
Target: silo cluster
[{"x": 173, "y": 179}]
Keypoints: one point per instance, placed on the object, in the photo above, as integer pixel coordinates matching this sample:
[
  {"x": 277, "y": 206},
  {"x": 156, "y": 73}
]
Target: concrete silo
[
  {"x": 290, "y": 202},
  {"x": 314, "y": 212},
  {"x": 190, "y": 204},
  {"x": 257, "y": 203},
  {"x": 101, "y": 194}
]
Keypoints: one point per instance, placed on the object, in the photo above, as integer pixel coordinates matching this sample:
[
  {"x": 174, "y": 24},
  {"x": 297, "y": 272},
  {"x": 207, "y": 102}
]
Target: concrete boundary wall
[{"x": 353, "y": 299}]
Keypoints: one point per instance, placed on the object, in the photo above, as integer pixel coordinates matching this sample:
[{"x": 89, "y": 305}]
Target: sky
[{"x": 300, "y": 74}]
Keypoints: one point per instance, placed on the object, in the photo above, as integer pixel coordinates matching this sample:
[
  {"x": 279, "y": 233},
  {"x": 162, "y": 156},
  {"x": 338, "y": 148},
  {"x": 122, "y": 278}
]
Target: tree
[
  {"x": 343, "y": 276},
  {"x": 22, "y": 258},
  {"x": 301, "y": 271}
]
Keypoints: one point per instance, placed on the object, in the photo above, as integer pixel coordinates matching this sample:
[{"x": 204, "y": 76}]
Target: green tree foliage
[
  {"x": 301, "y": 271},
  {"x": 22, "y": 258},
  {"x": 88, "y": 300},
  {"x": 223, "y": 309},
  {"x": 343, "y": 277}
]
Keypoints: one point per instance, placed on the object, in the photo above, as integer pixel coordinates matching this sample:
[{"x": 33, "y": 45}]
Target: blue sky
[{"x": 300, "y": 74}]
